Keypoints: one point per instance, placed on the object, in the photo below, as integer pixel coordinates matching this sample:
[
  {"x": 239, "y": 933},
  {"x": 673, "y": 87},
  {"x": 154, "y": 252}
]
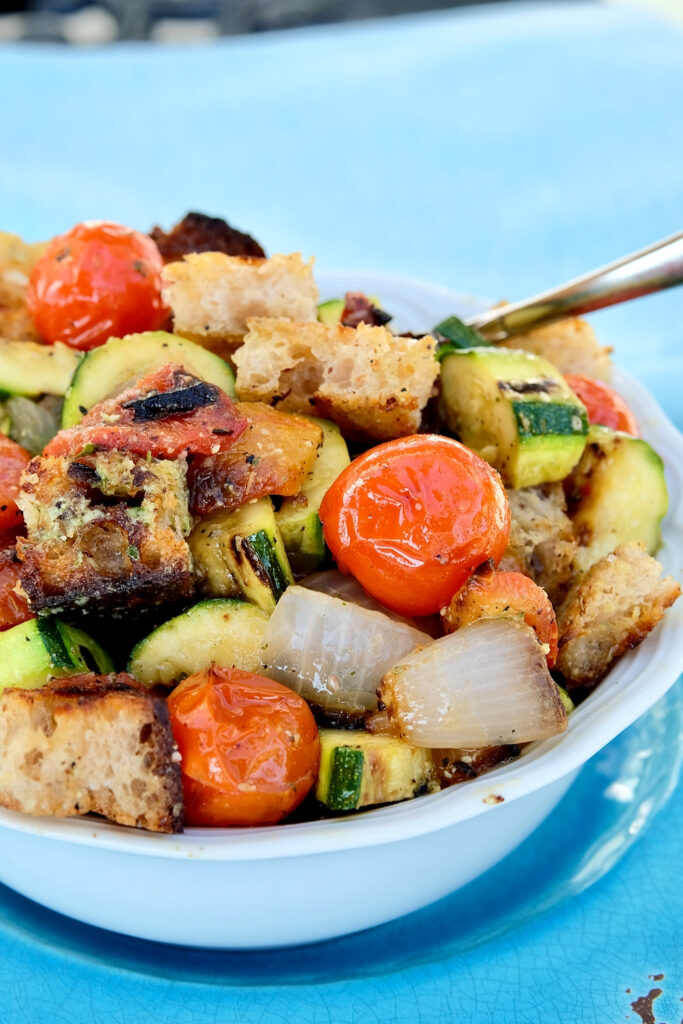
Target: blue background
[{"x": 499, "y": 151}]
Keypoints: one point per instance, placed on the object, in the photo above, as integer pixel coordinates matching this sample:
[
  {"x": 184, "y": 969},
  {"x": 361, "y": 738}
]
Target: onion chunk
[
  {"x": 333, "y": 652},
  {"x": 486, "y": 684}
]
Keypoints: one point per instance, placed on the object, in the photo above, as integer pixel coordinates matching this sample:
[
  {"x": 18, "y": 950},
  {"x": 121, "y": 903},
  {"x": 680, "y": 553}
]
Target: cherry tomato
[
  {"x": 603, "y": 404},
  {"x": 13, "y": 606},
  {"x": 491, "y": 594},
  {"x": 413, "y": 518},
  {"x": 97, "y": 281},
  {"x": 13, "y": 461},
  {"x": 249, "y": 747}
]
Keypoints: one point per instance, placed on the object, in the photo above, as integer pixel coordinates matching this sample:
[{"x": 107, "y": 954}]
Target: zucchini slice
[
  {"x": 330, "y": 312},
  {"x": 211, "y": 571},
  {"x": 515, "y": 410},
  {"x": 248, "y": 547},
  {"x": 359, "y": 769},
  {"x": 29, "y": 368},
  {"x": 43, "y": 649},
  {"x": 112, "y": 367},
  {"x": 297, "y": 517},
  {"x": 223, "y": 632},
  {"x": 616, "y": 494}
]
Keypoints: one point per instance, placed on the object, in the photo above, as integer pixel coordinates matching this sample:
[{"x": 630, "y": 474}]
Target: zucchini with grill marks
[
  {"x": 42, "y": 649},
  {"x": 359, "y": 769},
  {"x": 245, "y": 545},
  {"x": 616, "y": 494},
  {"x": 515, "y": 410}
]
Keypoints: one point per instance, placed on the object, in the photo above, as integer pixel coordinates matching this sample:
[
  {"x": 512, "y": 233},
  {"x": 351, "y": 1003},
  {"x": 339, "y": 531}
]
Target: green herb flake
[{"x": 133, "y": 553}]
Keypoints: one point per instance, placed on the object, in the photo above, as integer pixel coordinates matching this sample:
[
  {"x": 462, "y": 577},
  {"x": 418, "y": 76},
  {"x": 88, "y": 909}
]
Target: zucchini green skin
[
  {"x": 41, "y": 649},
  {"x": 330, "y": 312},
  {"x": 252, "y": 551},
  {"x": 346, "y": 776},
  {"x": 224, "y": 632},
  {"x": 29, "y": 368},
  {"x": 112, "y": 367},
  {"x": 515, "y": 410},
  {"x": 359, "y": 769},
  {"x": 297, "y": 517},
  {"x": 616, "y": 494}
]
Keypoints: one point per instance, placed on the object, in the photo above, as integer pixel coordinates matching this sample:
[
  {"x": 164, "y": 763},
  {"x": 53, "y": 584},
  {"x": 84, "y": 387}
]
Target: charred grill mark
[
  {"x": 527, "y": 387},
  {"x": 173, "y": 403},
  {"x": 462, "y": 768},
  {"x": 258, "y": 568}
]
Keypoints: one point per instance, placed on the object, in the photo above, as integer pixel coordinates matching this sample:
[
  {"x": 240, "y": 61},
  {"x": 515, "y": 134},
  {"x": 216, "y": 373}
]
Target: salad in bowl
[{"x": 269, "y": 560}]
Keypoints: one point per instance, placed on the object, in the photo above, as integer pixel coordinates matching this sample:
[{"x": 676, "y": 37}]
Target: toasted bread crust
[
  {"x": 542, "y": 543},
  {"x": 371, "y": 382},
  {"x": 613, "y": 608},
  {"x": 89, "y": 743},
  {"x": 213, "y": 295}
]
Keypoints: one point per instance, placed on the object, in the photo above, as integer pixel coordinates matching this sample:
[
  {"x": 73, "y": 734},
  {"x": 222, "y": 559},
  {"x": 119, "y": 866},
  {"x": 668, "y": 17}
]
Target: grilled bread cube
[
  {"x": 212, "y": 295},
  {"x": 366, "y": 379},
  {"x": 616, "y": 604},
  {"x": 90, "y": 743},
  {"x": 542, "y": 542},
  {"x": 105, "y": 532}
]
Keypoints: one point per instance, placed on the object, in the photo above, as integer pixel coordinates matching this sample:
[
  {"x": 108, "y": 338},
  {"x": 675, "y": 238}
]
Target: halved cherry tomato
[
  {"x": 603, "y": 404},
  {"x": 13, "y": 461},
  {"x": 13, "y": 606},
  {"x": 489, "y": 594},
  {"x": 413, "y": 518},
  {"x": 249, "y": 747},
  {"x": 96, "y": 281}
]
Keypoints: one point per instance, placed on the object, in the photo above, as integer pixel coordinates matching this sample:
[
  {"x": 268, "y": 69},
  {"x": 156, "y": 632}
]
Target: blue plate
[{"x": 616, "y": 796}]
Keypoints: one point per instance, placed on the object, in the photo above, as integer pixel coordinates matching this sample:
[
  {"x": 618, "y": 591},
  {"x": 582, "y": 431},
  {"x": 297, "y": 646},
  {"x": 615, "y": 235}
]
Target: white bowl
[{"x": 291, "y": 884}]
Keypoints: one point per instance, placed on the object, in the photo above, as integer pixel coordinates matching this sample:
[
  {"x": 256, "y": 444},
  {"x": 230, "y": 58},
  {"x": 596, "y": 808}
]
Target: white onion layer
[
  {"x": 485, "y": 684},
  {"x": 333, "y": 652}
]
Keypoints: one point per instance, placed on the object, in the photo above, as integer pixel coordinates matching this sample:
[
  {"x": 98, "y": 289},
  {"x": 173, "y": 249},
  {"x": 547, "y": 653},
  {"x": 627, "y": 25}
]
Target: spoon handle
[{"x": 653, "y": 269}]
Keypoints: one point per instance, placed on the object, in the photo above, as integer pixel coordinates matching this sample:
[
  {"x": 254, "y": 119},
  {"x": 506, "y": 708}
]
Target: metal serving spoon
[{"x": 653, "y": 269}]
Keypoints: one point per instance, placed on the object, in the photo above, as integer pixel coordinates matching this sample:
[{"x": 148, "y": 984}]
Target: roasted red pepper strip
[{"x": 166, "y": 413}]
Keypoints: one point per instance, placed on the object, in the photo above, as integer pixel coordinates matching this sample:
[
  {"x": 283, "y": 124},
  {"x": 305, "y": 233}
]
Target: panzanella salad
[{"x": 262, "y": 555}]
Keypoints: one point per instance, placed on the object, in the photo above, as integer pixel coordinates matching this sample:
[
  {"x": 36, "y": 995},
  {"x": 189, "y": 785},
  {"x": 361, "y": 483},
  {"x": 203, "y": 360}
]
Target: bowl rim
[{"x": 620, "y": 699}]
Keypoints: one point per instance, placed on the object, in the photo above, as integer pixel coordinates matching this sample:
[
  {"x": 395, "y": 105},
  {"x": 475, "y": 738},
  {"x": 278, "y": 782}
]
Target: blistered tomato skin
[
  {"x": 96, "y": 281},
  {"x": 413, "y": 518},
  {"x": 249, "y": 747}
]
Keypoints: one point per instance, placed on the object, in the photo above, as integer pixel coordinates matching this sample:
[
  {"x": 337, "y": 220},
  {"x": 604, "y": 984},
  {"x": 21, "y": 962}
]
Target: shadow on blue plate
[{"x": 615, "y": 797}]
